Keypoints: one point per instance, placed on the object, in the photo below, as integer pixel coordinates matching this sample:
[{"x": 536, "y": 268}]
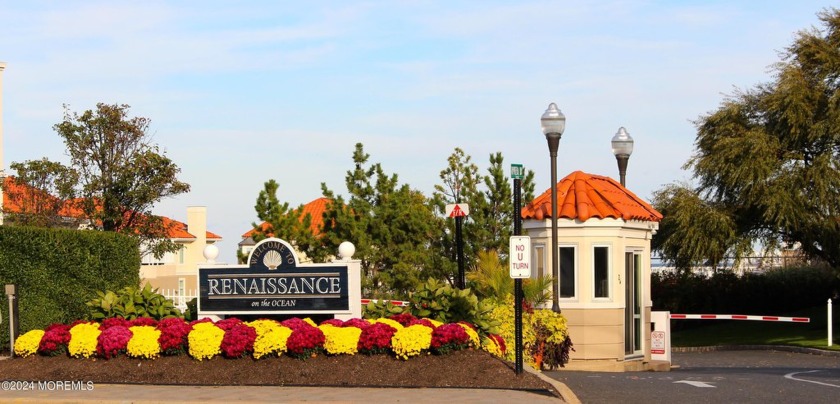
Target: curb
[
  {"x": 782, "y": 348},
  {"x": 565, "y": 392}
]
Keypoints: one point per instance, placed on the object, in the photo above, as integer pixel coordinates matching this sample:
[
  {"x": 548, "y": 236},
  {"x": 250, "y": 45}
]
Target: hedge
[
  {"x": 58, "y": 270},
  {"x": 774, "y": 292}
]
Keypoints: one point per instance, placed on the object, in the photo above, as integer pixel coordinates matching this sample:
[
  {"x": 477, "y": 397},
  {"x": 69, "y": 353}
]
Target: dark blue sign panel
[{"x": 273, "y": 283}]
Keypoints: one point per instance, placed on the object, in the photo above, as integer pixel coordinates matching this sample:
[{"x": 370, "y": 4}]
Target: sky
[{"x": 242, "y": 92}]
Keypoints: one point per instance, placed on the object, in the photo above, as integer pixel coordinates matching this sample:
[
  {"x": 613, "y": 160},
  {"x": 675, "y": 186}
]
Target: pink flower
[
  {"x": 173, "y": 335},
  {"x": 112, "y": 341},
  {"x": 55, "y": 340},
  {"x": 376, "y": 338},
  {"x": 238, "y": 340}
]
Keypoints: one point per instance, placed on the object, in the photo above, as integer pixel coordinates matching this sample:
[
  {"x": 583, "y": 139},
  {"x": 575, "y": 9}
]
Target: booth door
[{"x": 632, "y": 303}]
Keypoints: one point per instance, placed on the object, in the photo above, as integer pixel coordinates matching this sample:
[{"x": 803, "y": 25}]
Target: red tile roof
[
  {"x": 315, "y": 208},
  {"x": 71, "y": 208},
  {"x": 583, "y": 196}
]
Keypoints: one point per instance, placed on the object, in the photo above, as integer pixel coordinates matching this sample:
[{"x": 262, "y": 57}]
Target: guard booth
[{"x": 603, "y": 248}]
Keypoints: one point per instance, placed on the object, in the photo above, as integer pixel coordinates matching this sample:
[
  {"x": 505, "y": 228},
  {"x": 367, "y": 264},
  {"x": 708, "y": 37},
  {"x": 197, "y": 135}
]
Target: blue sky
[{"x": 242, "y": 92}]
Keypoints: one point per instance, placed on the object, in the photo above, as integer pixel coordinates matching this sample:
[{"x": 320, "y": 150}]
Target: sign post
[
  {"x": 459, "y": 211},
  {"x": 518, "y": 253}
]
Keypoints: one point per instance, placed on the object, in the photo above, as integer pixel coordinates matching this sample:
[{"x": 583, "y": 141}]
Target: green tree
[
  {"x": 766, "y": 161},
  {"x": 42, "y": 187},
  {"x": 285, "y": 223},
  {"x": 390, "y": 224},
  {"x": 121, "y": 173}
]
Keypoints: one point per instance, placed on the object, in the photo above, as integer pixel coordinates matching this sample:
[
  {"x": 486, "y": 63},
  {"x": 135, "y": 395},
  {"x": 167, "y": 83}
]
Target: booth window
[
  {"x": 601, "y": 271},
  {"x": 568, "y": 286}
]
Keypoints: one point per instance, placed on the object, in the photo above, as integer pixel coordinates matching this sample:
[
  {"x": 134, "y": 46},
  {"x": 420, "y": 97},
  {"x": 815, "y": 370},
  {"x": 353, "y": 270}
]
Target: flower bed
[{"x": 404, "y": 337}]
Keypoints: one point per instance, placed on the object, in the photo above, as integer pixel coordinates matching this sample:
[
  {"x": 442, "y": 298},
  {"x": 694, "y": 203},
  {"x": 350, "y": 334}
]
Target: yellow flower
[
  {"x": 83, "y": 340},
  {"x": 490, "y": 345},
  {"x": 205, "y": 341},
  {"x": 390, "y": 322},
  {"x": 411, "y": 341},
  {"x": 271, "y": 338},
  {"x": 341, "y": 340},
  {"x": 27, "y": 344},
  {"x": 474, "y": 342},
  {"x": 144, "y": 342}
]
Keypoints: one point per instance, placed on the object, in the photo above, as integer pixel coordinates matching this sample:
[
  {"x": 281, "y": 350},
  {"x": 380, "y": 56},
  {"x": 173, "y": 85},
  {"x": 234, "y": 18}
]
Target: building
[
  {"x": 314, "y": 208},
  {"x": 177, "y": 273},
  {"x": 604, "y": 234}
]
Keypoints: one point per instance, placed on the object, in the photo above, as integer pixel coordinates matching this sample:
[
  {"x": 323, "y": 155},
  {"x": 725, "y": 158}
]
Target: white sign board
[
  {"x": 520, "y": 257},
  {"x": 457, "y": 210},
  {"x": 657, "y": 342}
]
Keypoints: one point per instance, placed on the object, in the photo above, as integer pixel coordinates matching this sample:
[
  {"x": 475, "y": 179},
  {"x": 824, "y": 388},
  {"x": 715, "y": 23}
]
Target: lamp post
[
  {"x": 553, "y": 124},
  {"x": 622, "y": 147}
]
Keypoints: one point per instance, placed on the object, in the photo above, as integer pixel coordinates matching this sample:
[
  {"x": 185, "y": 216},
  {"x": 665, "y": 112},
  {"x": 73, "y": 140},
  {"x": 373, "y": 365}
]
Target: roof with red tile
[
  {"x": 71, "y": 208},
  {"x": 583, "y": 196},
  {"x": 315, "y": 208}
]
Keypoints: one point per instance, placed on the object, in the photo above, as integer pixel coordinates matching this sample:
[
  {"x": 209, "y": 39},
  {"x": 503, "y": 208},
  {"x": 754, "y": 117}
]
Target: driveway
[{"x": 749, "y": 376}]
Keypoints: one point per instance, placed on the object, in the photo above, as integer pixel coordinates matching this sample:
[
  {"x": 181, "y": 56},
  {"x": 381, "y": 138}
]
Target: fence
[
  {"x": 752, "y": 264},
  {"x": 179, "y": 299}
]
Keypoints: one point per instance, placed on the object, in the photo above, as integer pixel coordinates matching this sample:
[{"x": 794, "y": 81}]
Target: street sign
[
  {"x": 457, "y": 210},
  {"x": 517, "y": 172},
  {"x": 520, "y": 257}
]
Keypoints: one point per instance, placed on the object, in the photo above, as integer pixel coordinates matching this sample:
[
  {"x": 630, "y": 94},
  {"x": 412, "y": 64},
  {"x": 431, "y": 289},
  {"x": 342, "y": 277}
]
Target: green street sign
[{"x": 517, "y": 172}]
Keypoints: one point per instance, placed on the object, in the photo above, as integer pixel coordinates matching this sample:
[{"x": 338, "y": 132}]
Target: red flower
[
  {"x": 228, "y": 323},
  {"x": 55, "y": 340},
  {"x": 140, "y": 321},
  {"x": 356, "y": 322},
  {"x": 376, "y": 338},
  {"x": 405, "y": 319},
  {"x": 305, "y": 340},
  {"x": 112, "y": 341},
  {"x": 173, "y": 335},
  {"x": 114, "y": 321},
  {"x": 238, "y": 340},
  {"x": 449, "y": 337}
]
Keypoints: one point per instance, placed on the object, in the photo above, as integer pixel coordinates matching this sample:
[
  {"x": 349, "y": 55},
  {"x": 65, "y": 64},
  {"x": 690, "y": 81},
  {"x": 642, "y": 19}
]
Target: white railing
[
  {"x": 179, "y": 299},
  {"x": 753, "y": 264}
]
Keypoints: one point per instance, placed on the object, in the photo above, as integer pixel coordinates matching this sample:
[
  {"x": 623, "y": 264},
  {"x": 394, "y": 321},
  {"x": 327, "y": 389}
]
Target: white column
[{"x": 2, "y": 163}]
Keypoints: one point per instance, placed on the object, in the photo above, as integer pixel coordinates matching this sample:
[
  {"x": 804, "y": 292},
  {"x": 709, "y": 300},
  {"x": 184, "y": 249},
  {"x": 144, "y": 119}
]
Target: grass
[{"x": 744, "y": 332}]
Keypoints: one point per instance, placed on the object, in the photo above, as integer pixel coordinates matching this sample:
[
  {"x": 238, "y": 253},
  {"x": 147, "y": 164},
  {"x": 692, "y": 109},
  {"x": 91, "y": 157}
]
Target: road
[{"x": 716, "y": 377}]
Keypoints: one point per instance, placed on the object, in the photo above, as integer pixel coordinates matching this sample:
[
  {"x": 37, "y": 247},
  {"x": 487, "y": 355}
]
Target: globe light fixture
[{"x": 553, "y": 124}]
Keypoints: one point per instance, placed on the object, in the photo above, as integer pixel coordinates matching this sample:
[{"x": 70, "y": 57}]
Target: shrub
[
  {"x": 112, "y": 340},
  {"x": 440, "y": 301},
  {"x": 449, "y": 337},
  {"x": 27, "y": 344},
  {"x": 411, "y": 341},
  {"x": 376, "y": 338},
  {"x": 55, "y": 340},
  {"x": 57, "y": 270},
  {"x": 84, "y": 338},
  {"x": 340, "y": 340},
  {"x": 381, "y": 309},
  {"x": 144, "y": 342},
  {"x": 271, "y": 338},
  {"x": 544, "y": 335},
  {"x": 131, "y": 303},
  {"x": 205, "y": 340},
  {"x": 173, "y": 335}
]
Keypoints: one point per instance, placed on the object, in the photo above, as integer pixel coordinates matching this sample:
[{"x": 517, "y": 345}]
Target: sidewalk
[{"x": 115, "y": 393}]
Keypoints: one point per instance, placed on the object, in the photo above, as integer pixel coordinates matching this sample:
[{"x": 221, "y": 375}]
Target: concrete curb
[
  {"x": 782, "y": 348},
  {"x": 565, "y": 392}
]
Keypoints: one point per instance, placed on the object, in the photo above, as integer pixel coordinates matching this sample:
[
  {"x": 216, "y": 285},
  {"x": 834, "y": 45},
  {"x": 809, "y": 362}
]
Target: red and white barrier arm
[
  {"x": 398, "y": 303},
  {"x": 738, "y": 317}
]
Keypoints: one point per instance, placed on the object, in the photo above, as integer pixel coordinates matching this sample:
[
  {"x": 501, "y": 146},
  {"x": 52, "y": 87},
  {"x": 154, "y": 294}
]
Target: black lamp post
[
  {"x": 622, "y": 147},
  {"x": 553, "y": 124}
]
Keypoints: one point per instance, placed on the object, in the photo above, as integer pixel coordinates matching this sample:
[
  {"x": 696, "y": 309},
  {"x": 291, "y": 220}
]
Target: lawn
[{"x": 743, "y": 332}]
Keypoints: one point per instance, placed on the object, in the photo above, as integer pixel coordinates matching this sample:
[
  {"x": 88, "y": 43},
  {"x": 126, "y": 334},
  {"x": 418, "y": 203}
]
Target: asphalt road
[{"x": 756, "y": 376}]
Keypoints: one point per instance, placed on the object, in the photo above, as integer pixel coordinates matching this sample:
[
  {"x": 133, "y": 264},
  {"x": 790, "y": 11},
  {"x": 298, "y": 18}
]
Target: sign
[
  {"x": 517, "y": 172},
  {"x": 520, "y": 257},
  {"x": 657, "y": 342},
  {"x": 273, "y": 283},
  {"x": 457, "y": 210}
]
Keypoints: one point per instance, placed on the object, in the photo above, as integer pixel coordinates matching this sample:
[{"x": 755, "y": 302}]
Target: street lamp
[
  {"x": 622, "y": 147},
  {"x": 553, "y": 124}
]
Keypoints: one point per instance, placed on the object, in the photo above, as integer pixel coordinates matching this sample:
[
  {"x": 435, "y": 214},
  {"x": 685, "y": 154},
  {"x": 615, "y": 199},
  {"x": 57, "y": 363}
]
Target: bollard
[
  {"x": 11, "y": 293},
  {"x": 830, "y": 327}
]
